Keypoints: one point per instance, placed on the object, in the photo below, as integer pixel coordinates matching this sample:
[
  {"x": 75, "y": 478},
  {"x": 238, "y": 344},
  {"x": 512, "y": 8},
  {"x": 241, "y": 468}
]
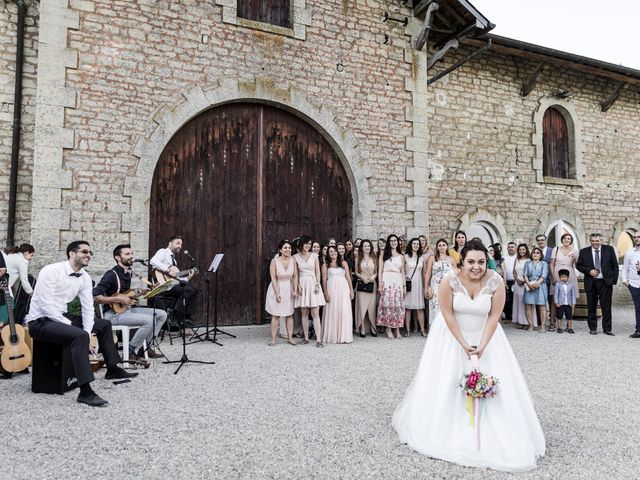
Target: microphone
[
  {"x": 140, "y": 260},
  {"x": 186, "y": 252}
]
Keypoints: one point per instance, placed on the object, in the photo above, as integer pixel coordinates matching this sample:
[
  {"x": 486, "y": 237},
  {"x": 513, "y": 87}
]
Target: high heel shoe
[
  {"x": 362, "y": 335},
  {"x": 374, "y": 334}
]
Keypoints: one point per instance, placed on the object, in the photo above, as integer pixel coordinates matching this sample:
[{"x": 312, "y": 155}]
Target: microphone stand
[{"x": 185, "y": 359}]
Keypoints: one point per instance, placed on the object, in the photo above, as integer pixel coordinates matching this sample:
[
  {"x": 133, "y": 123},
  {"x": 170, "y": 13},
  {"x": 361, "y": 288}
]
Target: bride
[{"x": 432, "y": 418}]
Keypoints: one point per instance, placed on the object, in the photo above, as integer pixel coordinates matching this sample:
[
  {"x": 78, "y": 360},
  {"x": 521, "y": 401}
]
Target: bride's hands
[{"x": 477, "y": 351}]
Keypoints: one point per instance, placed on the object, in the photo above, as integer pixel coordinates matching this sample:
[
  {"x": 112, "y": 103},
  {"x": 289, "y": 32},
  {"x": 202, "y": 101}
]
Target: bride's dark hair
[{"x": 475, "y": 244}]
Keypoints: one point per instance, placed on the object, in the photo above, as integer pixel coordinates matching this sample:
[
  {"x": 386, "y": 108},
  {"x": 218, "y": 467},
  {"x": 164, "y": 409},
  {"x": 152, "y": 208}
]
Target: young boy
[{"x": 565, "y": 300}]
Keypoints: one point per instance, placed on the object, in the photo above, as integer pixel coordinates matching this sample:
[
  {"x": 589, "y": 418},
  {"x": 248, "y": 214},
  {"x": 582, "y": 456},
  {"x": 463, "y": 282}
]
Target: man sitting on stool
[
  {"x": 165, "y": 262},
  {"x": 118, "y": 281},
  {"x": 58, "y": 284}
]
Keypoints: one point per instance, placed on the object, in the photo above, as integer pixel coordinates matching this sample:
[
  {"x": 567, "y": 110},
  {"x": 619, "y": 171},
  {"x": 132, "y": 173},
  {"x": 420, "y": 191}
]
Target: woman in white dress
[
  {"x": 310, "y": 297},
  {"x": 414, "y": 300},
  {"x": 17, "y": 261},
  {"x": 438, "y": 266},
  {"x": 432, "y": 417}
]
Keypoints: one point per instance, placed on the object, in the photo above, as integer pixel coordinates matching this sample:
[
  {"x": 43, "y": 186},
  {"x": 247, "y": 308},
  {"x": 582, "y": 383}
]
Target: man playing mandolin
[
  {"x": 114, "y": 291},
  {"x": 165, "y": 264}
]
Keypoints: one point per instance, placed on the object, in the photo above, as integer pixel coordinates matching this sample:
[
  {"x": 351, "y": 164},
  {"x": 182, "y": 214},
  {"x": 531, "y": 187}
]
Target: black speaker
[{"x": 52, "y": 370}]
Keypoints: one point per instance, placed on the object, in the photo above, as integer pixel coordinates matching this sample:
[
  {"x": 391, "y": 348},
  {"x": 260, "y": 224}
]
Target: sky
[{"x": 605, "y": 31}]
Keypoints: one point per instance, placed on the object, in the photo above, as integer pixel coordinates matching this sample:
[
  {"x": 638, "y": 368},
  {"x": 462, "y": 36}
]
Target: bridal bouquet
[{"x": 476, "y": 385}]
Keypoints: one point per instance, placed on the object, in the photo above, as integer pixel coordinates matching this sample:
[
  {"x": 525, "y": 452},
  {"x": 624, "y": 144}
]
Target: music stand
[
  {"x": 184, "y": 359},
  {"x": 214, "y": 267},
  {"x": 215, "y": 263}
]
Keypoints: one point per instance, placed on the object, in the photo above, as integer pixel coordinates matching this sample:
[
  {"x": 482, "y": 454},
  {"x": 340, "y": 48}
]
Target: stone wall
[
  {"x": 482, "y": 152},
  {"x": 142, "y": 65},
  {"x": 8, "y": 36}
]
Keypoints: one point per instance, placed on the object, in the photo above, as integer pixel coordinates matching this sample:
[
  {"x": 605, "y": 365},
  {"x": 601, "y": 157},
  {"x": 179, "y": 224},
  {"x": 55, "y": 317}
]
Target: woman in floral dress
[{"x": 392, "y": 288}]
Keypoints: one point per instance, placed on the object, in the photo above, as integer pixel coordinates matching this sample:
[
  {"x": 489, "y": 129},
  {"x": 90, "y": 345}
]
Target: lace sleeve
[
  {"x": 451, "y": 278},
  {"x": 494, "y": 283}
]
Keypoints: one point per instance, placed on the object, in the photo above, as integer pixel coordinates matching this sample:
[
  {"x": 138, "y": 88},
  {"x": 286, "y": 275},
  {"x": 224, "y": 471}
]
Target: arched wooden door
[{"x": 237, "y": 179}]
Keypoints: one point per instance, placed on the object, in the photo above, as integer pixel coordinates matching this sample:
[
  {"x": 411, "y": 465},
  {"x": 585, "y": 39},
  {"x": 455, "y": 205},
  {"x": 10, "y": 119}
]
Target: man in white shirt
[
  {"x": 631, "y": 278},
  {"x": 165, "y": 261},
  {"x": 509, "y": 280},
  {"x": 48, "y": 320}
]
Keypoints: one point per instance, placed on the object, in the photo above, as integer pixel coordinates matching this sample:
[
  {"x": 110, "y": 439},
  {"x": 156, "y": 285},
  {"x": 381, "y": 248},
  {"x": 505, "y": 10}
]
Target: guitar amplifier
[{"x": 52, "y": 368}]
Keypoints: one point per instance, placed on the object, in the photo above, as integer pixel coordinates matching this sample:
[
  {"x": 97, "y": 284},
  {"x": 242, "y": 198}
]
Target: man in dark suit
[{"x": 600, "y": 267}]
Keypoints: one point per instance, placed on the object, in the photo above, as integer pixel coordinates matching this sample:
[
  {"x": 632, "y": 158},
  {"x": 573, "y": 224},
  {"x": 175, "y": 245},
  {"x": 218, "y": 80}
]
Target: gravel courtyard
[{"x": 301, "y": 412}]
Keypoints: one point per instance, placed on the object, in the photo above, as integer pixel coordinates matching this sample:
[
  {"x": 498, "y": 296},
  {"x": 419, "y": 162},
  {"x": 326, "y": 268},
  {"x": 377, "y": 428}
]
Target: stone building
[{"x": 238, "y": 125}]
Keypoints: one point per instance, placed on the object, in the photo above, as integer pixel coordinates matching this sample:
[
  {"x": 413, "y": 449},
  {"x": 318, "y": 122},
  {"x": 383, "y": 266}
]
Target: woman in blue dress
[{"x": 535, "y": 275}]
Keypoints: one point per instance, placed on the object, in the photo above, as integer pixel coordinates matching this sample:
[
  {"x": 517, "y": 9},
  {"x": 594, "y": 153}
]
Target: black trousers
[
  {"x": 46, "y": 330},
  {"x": 508, "y": 302},
  {"x": 602, "y": 293},
  {"x": 185, "y": 295}
]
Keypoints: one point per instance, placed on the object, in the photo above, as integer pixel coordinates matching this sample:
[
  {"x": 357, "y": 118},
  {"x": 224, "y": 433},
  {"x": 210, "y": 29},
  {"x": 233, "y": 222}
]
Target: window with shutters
[
  {"x": 280, "y": 17},
  {"x": 555, "y": 140},
  {"x": 274, "y": 12}
]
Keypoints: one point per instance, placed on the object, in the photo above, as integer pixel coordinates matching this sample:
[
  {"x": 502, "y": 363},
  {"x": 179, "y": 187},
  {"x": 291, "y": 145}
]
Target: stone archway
[{"x": 169, "y": 119}]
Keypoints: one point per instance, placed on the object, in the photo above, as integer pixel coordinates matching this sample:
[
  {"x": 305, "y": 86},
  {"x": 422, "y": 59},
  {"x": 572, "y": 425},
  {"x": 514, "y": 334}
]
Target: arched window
[
  {"x": 556, "y": 230},
  {"x": 625, "y": 242},
  {"x": 555, "y": 140},
  {"x": 484, "y": 231}
]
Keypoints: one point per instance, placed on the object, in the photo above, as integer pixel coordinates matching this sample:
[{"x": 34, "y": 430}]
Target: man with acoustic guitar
[
  {"x": 114, "y": 291},
  {"x": 58, "y": 284},
  {"x": 165, "y": 264}
]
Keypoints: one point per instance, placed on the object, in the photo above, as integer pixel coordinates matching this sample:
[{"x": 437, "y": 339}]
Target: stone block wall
[
  {"x": 481, "y": 150},
  {"x": 138, "y": 61},
  {"x": 8, "y": 36}
]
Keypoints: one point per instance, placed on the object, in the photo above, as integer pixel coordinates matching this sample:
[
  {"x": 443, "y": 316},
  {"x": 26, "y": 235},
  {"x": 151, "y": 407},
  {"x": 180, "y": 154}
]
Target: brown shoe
[{"x": 151, "y": 353}]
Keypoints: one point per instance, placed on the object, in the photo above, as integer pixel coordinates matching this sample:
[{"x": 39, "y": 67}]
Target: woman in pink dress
[
  {"x": 392, "y": 287},
  {"x": 282, "y": 290},
  {"x": 565, "y": 257},
  {"x": 337, "y": 319},
  {"x": 310, "y": 297}
]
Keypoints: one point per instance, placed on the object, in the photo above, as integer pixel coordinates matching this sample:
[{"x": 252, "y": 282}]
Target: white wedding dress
[{"x": 432, "y": 417}]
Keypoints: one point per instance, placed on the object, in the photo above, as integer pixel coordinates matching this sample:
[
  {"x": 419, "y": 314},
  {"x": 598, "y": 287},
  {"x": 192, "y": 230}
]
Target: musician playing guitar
[
  {"x": 114, "y": 290},
  {"x": 48, "y": 320},
  {"x": 164, "y": 261}
]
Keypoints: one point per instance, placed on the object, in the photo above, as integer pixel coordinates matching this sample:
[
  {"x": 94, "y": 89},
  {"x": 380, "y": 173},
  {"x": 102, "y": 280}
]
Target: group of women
[{"x": 391, "y": 285}]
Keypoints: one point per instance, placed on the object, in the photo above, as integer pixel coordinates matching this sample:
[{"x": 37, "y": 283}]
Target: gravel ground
[{"x": 301, "y": 412}]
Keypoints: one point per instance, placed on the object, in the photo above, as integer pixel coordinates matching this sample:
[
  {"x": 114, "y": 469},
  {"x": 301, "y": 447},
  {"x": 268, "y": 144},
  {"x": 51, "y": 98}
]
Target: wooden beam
[
  {"x": 426, "y": 26},
  {"x": 454, "y": 13},
  {"x": 566, "y": 64},
  {"x": 530, "y": 84},
  {"x": 611, "y": 99},
  {"x": 437, "y": 56}
]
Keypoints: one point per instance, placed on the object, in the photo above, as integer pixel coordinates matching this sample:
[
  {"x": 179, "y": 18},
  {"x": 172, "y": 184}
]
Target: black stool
[{"x": 52, "y": 368}]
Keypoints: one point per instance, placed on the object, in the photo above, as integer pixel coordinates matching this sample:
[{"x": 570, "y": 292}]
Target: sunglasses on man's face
[{"x": 85, "y": 252}]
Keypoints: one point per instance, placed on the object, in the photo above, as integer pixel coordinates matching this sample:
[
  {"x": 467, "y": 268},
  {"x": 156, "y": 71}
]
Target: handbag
[
  {"x": 364, "y": 287},
  {"x": 411, "y": 278}
]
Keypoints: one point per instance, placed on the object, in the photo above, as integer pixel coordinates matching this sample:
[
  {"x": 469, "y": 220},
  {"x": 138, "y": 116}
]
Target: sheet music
[{"x": 215, "y": 264}]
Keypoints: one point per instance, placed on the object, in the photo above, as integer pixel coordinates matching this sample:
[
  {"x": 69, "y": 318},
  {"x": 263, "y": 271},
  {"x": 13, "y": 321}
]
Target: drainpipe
[{"x": 17, "y": 112}]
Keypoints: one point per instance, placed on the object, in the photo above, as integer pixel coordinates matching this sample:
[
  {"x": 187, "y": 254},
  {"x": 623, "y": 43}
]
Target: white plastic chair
[{"x": 125, "y": 331}]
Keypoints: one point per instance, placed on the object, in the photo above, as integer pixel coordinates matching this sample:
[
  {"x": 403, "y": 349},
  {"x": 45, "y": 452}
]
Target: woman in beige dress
[
  {"x": 310, "y": 296},
  {"x": 366, "y": 273},
  {"x": 282, "y": 291}
]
